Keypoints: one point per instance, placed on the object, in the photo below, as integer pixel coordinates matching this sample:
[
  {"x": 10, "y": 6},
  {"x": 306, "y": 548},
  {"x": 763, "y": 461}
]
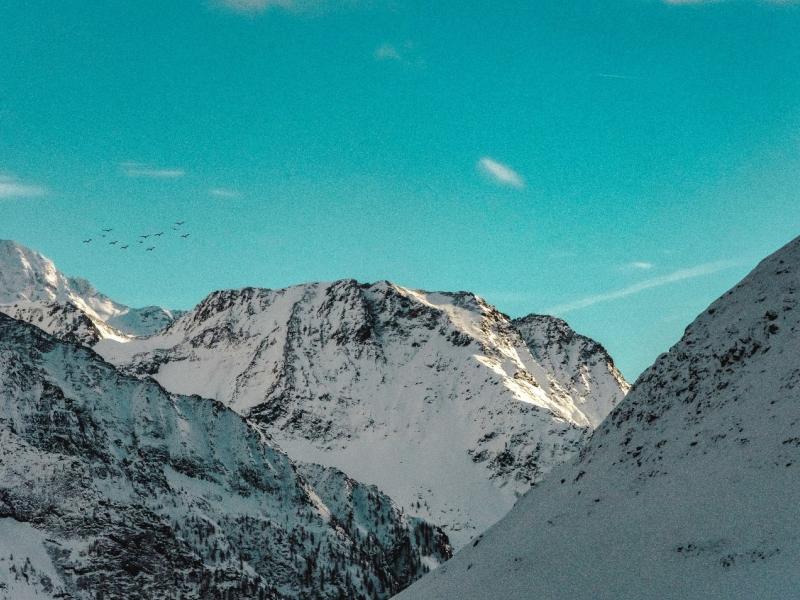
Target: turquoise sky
[{"x": 620, "y": 164}]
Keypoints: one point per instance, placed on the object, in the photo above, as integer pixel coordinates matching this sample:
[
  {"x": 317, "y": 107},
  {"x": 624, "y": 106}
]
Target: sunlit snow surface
[
  {"x": 434, "y": 397},
  {"x": 33, "y": 290},
  {"x": 688, "y": 490}
]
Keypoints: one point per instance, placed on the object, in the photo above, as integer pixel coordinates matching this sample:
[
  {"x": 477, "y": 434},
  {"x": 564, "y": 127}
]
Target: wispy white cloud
[
  {"x": 613, "y": 76},
  {"x": 406, "y": 53},
  {"x": 11, "y": 187},
  {"x": 500, "y": 173},
  {"x": 224, "y": 193},
  {"x": 674, "y": 277},
  {"x": 677, "y": 2},
  {"x": 696, "y": 2},
  {"x": 387, "y": 51},
  {"x": 641, "y": 265},
  {"x": 135, "y": 169},
  {"x": 255, "y": 6}
]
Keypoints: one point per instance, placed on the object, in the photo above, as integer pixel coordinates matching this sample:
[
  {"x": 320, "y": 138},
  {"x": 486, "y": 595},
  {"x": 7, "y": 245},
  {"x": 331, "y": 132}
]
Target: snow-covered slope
[
  {"x": 433, "y": 397},
  {"x": 574, "y": 362},
  {"x": 689, "y": 489},
  {"x": 26, "y": 570},
  {"x": 34, "y": 290},
  {"x": 111, "y": 487}
]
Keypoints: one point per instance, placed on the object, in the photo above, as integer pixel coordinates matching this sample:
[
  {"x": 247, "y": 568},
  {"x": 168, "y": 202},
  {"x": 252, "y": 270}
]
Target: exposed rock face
[
  {"x": 574, "y": 362},
  {"x": 433, "y": 397},
  {"x": 687, "y": 490},
  {"x": 121, "y": 489}
]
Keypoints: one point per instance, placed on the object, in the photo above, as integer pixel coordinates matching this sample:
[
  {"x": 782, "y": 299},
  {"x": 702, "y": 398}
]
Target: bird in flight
[
  {"x": 145, "y": 236},
  {"x": 109, "y": 229},
  {"x": 113, "y": 243},
  {"x": 87, "y": 241},
  {"x": 185, "y": 235},
  {"x": 179, "y": 223},
  {"x": 150, "y": 249},
  {"x": 159, "y": 234},
  {"x": 125, "y": 247}
]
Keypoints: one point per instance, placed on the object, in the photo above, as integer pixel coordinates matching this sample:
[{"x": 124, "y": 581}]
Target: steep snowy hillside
[
  {"x": 688, "y": 490},
  {"x": 111, "y": 487},
  {"x": 32, "y": 289},
  {"x": 433, "y": 397},
  {"x": 574, "y": 362}
]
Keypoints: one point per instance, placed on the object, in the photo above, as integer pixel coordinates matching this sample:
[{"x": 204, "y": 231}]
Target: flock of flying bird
[{"x": 142, "y": 238}]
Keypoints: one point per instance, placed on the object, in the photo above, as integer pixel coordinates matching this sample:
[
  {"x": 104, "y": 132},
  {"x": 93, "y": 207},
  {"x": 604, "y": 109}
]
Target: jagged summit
[
  {"x": 433, "y": 396},
  {"x": 687, "y": 490},
  {"x": 26, "y": 275},
  {"x": 579, "y": 363},
  {"x": 34, "y": 290}
]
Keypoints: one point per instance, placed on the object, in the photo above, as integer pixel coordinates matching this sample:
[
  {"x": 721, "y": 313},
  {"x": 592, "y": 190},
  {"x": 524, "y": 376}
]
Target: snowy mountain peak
[
  {"x": 687, "y": 490},
  {"x": 34, "y": 290},
  {"x": 432, "y": 396},
  {"x": 26, "y": 275}
]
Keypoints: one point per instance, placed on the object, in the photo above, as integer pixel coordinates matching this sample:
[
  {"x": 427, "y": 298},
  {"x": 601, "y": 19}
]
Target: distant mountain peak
[
  {"x": 338, "y": 372},
  {"x": 27, "y": 275},
  {"x": 30, "y": 283}
]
